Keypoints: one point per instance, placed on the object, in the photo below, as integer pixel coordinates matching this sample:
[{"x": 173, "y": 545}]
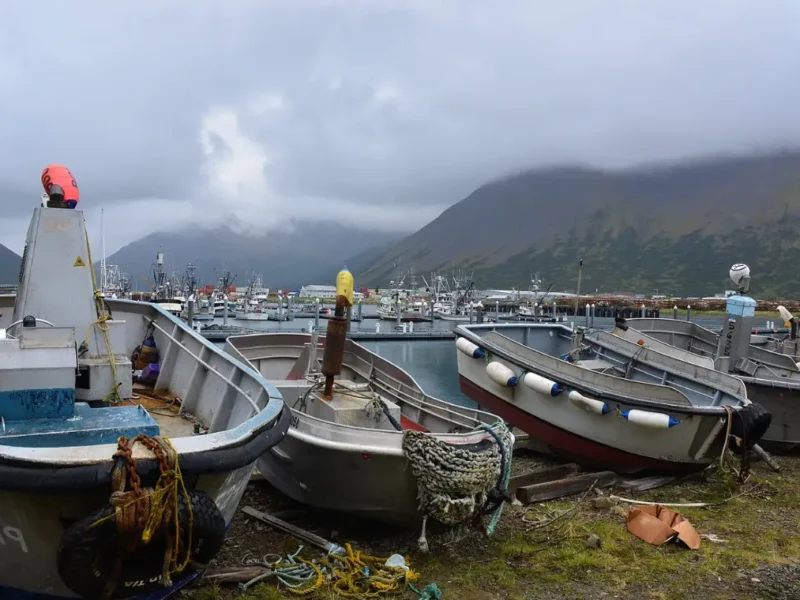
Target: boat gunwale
[
  {"x": 64, "y": 467},
  {"x": 465, "y": 331}
]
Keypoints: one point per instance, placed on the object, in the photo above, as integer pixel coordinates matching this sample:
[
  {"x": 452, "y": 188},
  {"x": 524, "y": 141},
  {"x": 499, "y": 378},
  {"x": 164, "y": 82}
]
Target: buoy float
[
  {"x": 646, "y": 418},
  {"x": 541, "y": 384},
  {"x": 470, "y": 349},
  {"x": 501, "y": 374},
  {"x": 592, "y": 405}
]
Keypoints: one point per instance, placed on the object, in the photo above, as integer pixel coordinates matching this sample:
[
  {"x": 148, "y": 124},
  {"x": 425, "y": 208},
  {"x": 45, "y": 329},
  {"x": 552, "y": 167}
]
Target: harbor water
[{"x": 431, "y": 362}]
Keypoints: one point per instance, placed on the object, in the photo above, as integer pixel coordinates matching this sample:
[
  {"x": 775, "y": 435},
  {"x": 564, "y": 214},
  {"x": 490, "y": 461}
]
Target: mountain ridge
[{"x": 639, "y": 220}]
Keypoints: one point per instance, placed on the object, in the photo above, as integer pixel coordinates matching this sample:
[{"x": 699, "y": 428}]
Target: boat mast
[{"x": 103, "y": 259}]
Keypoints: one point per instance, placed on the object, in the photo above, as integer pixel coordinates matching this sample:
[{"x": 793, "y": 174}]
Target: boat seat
[
  {"x": 91, "y": 426},
  {"x": 597, "y": 364}
]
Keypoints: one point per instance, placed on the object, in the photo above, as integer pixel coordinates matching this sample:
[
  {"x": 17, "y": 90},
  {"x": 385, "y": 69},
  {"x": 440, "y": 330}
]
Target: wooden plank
[
  {"x": 647, "y": 483},
  {"x": 233, "y": 575},
  {"x": 297, "y": 532},
  {"x": 551, "y": 490},
  {"x": 549, "y": 474}
]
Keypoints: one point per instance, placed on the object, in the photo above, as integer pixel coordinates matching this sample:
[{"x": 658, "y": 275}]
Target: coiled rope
[
  {"x": 455, "y": 484},
  {"x": 350, "y": 573}
]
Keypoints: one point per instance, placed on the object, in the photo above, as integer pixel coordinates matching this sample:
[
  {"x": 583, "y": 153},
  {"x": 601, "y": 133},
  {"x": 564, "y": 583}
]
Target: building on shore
[{"x": 324, "y": 291}]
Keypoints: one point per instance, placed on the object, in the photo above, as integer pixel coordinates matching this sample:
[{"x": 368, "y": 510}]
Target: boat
[
  {"x": 99, "y": 397},
  {"x": 593, "y": 397},
  {"x": 347, "y": 453},
  {"x": 772, "y": 378}
]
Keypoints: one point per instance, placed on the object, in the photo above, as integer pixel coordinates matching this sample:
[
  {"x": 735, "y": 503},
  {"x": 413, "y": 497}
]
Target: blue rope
[
  {"x": 431, "y": 592},
  {"x": 389, "y": 416},
  {"x": 505, "y": 474}
]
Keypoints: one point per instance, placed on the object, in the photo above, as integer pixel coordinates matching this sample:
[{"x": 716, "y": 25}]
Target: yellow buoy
[{"x": 344, "y": 285}]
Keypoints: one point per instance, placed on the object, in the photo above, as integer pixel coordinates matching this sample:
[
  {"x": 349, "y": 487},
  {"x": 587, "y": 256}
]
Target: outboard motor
[{"x": 734, "y": 341}]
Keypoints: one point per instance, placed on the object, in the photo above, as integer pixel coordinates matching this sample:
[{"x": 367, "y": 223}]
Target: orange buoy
[{"x": 60, "y": 185}]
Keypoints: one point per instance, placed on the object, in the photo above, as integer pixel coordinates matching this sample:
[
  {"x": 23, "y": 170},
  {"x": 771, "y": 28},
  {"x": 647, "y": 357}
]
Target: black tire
[
  {"x": 750, "y": 423},
  {"x": 86, "y": 555}
]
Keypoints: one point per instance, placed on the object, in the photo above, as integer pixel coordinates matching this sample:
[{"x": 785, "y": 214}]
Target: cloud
[{"x": 376, "y": 113}]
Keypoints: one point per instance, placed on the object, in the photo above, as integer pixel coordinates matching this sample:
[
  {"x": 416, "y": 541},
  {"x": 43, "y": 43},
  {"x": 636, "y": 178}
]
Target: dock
[{"x": 220, "y": 335}]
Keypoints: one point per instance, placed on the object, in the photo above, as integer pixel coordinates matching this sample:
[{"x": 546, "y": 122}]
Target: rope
[
  {"x": 455, "y": 484},
  {"x": 505, "y": 475},
  {"x": 113, "y": 396},
  {"x": 351, "y": 574},
  {"x": 431, "y": 592},
  {"x": 145, "y": 511}
]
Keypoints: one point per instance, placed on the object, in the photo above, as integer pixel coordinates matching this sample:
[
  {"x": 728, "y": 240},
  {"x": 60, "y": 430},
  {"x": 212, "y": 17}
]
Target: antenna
[{"x": 578, "y": 293}]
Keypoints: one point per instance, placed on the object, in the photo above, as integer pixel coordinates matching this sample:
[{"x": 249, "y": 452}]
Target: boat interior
[
  {"x": 367, "y": 384},
  {"x": 597, "y": 360},
  {"x": 71, "y": 378},
  {"x": 761, "y": 362}
]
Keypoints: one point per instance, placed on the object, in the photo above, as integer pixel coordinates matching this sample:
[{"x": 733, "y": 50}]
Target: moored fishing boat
[
  {"x": 598, "y": 399},
  {"x": 361, "y": 442},
  {"x": 112, "y": 411}
]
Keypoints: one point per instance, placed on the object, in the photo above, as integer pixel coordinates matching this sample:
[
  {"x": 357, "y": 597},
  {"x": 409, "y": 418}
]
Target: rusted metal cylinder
[{"x": 333, "y": 356}]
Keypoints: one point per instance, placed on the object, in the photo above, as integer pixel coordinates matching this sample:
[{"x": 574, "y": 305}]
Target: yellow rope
[
  {"x": 161, "y": 504},
  {"x": 101, "y": 323}
]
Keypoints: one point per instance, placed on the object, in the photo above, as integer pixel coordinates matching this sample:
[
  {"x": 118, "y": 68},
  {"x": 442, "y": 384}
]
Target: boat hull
[
  {"x": 783, "y": 403},
  {"x": 32, "y": 524},
  {"x": 601, "y": 440},
  {"x": 371, "y": 485}
]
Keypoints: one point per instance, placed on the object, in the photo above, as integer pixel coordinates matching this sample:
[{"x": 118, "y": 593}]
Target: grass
[{"x": 760, "y": 530}]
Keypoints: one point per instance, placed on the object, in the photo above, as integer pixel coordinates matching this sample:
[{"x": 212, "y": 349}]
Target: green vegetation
[{"x": 756, "y": 533}]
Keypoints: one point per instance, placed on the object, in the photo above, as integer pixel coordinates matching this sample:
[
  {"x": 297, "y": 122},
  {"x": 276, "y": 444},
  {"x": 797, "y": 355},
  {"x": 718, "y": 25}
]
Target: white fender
[
  {"x": 470, "y": 349},
  {"x": 540, "y": 384},
  {"x": 501, "y": 374},
  {"x": 593, "y": 405},
  {"x": 646, "y": 418}
]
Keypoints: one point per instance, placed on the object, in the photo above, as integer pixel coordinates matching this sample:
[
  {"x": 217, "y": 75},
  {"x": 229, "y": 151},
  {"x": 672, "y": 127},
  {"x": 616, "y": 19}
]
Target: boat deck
[{"x": 166, "y": 412}]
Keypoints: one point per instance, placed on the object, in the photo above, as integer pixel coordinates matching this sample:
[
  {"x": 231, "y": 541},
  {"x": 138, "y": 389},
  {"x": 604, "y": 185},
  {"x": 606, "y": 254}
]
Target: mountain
[
  {"x": 674, "y": 227},
  {"x": 310, "y": 253},
  {"x": 9, "y": 266}
]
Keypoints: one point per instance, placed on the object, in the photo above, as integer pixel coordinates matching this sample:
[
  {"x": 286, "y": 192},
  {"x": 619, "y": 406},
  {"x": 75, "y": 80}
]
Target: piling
[
  {"x": 430, "y": 306},
  {"x": 311, "y": 326},
  {"x": 497, "y": 310},
  {"x": 190, "y": 311},
  {"x": 555, "y": 309},
  {"x": 359, "y": 309},
  {"x": 675, "y": 312},
  {"x": 225, "y": 310},
  {"x": 316, "y": 314},
  {"x": 644, "y": 314},
  {"x": 377, "y": 326},
  {"x": 398, "y": 314},
  {"x": 592, "y": 322},
  {"x": 688, "y": 312}
]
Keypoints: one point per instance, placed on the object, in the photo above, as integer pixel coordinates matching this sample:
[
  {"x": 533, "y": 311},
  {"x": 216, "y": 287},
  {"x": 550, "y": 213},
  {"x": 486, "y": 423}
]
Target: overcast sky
[{"x": 376, "y": 113}]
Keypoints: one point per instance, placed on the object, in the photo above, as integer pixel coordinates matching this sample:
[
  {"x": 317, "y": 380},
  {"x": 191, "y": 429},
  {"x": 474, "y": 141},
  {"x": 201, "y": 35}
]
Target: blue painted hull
[{"x": 8, "y": 593}]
